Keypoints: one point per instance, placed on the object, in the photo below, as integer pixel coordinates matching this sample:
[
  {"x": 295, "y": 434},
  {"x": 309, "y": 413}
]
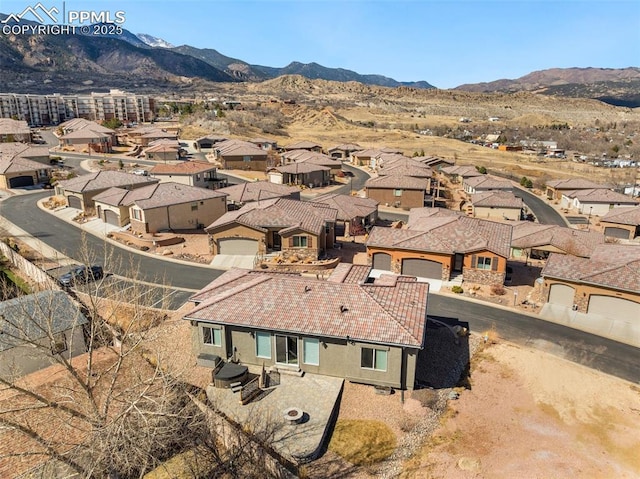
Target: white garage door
[
  {"x": 561, "y": 294},
  {"x": 614, "y": 307},
  {"x": 422, "y": 268},
  {"x": 238, "y": 246}
]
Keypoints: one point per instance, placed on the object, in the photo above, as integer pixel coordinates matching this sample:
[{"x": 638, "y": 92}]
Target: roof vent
[
  {"x": 307, "y": 289},
  {"x": 343, "y": 308}
]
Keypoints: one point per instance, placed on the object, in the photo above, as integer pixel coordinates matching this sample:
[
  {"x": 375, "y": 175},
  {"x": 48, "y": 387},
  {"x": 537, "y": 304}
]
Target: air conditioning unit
[{"x": 574, "y": 307}]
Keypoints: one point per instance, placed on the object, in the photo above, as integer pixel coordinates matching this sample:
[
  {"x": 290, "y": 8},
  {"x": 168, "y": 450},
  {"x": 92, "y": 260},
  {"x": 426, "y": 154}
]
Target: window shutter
[
  {"x": 310, "y": 241},
  {"x": 494, "y": 264},
  {"x": 474, "y": 260},
  {"x": 290, "y": 241}
]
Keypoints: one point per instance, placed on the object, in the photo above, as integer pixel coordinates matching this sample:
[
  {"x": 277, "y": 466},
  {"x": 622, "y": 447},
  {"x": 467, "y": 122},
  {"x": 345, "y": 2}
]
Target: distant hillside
[{"x": 615, "y": 86}]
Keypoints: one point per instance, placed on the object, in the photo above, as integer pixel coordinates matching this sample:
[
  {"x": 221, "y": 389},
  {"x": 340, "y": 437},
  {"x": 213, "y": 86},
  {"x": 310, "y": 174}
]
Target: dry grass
[{"x": 362, "y": 442}]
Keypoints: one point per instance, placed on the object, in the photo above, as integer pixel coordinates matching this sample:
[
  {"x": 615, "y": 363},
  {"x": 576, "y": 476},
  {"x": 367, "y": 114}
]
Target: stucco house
[
  {"x": 192, "y": 173},
  {"x": 535, "y": 240},
  {"x": 362, "y": 332},
  {"x": 479, "y": 184},
  {"x": 293, "y": 227},
  {"x": 399, "y": 191},
  {"x": 367, "y": 157},
  {"x": 307, "y": 174},
  {"x": 240, "y": 155},
  {"x": 14, "y": 131},
  {"x": 601, "y": 289},
  {"x": 497, "y": 205},
  {"x": 239, "y": 195},
  {"x": 208, "y": 142},
  {"x": 161, "y": 206},
  {"x": 79, "y": 191},
  {"x": 622, "y": 223},
  {"x": 16, "y": 172},
  {"x": 343, "y": 152},
  {"x": 457, "y": 174},
  {"x": 595, "y": 202},
  {"x": 28, "y": 152},
  {"x": 358, "y": 214},
  {"x": 556, "y": 188},
  {"x": 84, "y": 135},
  {"x": 145, "y": 135},
  {"x": 304, "y": 145},
  {"x": 441, "y": 244},
  {"x": 37, "y": 327}
]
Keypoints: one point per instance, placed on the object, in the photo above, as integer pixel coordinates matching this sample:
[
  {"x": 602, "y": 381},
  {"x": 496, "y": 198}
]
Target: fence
[{"x": 41, "y": 278}]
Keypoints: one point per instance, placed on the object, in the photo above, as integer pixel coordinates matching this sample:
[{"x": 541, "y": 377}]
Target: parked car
[
  {"x": 140, "y": 172},
  {"x": 81, "y": 274}
]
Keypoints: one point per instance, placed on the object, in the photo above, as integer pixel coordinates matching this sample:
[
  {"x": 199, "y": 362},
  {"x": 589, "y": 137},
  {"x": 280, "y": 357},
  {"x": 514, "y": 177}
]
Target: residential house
[
  {"x": 556, "y": 188},
  {"x": 601, "y": 292},
  {"x": 368, "y": 156},
  {"x": 192, "y": 173},
  {"x": 479, "y": 184},
  {"x": 313, "y": 158},
  {"x": 145, "y": 135},
  {"x": 441, "y": 244},
  {"x": 294, "y": 227},
  {"x": 343, "y": 152},
  {"x": 434, "y": 162},
  {"x": 161, "y": 206},
  {"x": 240, "y": 155},
  {"x": 457, "y": 174},
  {"x": 496, "y": 205},
  {"x": 163, "y": 151},
  {"x": 399, "y": 191},
  {"x": 304, "y": 145},
  {"x": 79, "y": 191},
  {"x": 362, "y": 332},
  {"x": 17, "y": 172},
  {"x": 85, "y": 135},
  {"x": 239, "y": 195},
  {"x": 595, "y": 202},
  {"x": 208, "y": 142},
  {"x": 537, "y": 241},
  {"x": 402, "y": 166},
  {"x": 14, "y": 131},
  {"x": 29, "y": 152},
  {"x": 307, "y": 174},
  {"x": 622, "y": 223},
  {"x": 36, "y": 328},
  {"x": 358, "y": 214},
  {"x": 264, "y": 143}
]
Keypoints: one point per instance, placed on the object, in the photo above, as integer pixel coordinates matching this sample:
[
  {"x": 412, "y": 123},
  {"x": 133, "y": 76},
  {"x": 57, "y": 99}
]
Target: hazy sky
[{"x": 446, "y": 43}]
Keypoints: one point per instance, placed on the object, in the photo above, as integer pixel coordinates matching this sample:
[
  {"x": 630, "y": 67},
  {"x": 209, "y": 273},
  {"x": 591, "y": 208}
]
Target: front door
[
  {"x": 458, "y": 262},
  {"x": 287, "y": 350},
  {"x": 277, "y": 241}
]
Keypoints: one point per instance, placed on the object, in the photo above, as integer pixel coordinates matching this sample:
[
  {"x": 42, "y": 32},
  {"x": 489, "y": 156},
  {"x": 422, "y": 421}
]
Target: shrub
[
  {"x": 498, "y": 290},
  {"x": 457, "y": 289}
]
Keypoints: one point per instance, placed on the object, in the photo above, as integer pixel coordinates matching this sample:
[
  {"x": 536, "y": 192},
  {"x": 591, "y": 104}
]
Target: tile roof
[
  {"x": 103, "y": 179},
  {"x": 301, "y": 168},
  {"x": 400, "y": 182},
  {"x": 575, "y": 184},
  {"x": 183, "y": 168},
  {"x": 162, "y": 148},
  {"x": 368, "y": 153},
  {"x": 600, "y": 195},
  {"x": 279, "y": 213},
  {"x": 9, "y": 126},
  {"x": 19, "y": 165},
  {"x": 627, "y": 215},
  {"x": 302, "y": 145},
  {"x": 346, "y": 147},
  {"x": 349, "y": 207},
  {"x": 446, "y": 234},
  {"x": 610, "y": 266},
  {"x": 238, "y": 148},
  {"x": 349, "y": 273},
  {"x": 85, "y": 133},
  {"x": 157, "y": 195},
  {"x": 35, "y": 316},
  {"x": 576, "y": 242},
  {"x": 393, "y": 314},
  {"x": 497, "y": 199},
  {"x": 464, "y": 171},
  {"x": 22, "y": 150},
  {"x": 78, "y": 124},
  {"x": 258, "y": 190},
  {"x": 485, "y": 182}
]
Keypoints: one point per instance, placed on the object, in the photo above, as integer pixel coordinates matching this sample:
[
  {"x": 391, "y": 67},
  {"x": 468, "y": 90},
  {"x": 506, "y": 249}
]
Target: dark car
[{"x": 81, "y": 274}]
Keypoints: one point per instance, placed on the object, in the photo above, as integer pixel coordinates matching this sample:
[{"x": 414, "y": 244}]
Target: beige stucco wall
[
  {"x": 181, "y": 216},
  {"x": 257, "y": 163},
  {"x": 496, "y": 213},
  {"x": 189, "y": 180},
  {"x": 385, "y": 196},
  {"x": 630, "y": 228},
  {"x": 236, "y": 231}
]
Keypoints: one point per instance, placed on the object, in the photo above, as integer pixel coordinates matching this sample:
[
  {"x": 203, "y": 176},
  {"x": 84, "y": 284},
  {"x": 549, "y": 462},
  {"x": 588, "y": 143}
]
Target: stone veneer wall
[
  {"x": 483, "y": 276},
  {"x": 301, "y": 253}
]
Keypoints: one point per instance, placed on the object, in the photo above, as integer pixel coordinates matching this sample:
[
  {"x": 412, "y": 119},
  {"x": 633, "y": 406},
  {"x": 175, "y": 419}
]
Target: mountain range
[{"x": 142, "y": 62}]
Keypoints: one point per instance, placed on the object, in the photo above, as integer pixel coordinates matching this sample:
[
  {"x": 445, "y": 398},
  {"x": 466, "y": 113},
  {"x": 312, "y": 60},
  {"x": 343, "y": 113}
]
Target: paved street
[{"x": 544, "y": 213}]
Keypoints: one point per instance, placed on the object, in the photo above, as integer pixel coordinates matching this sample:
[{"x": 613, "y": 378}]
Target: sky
[{"x": 446, "y": 43}]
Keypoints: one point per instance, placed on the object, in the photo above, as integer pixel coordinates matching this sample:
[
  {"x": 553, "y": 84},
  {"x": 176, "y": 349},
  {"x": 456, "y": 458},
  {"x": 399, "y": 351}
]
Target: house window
[
  {"x": 263, "y": 345},
  {"x": 194, "y": 206},
  {"x": 371, "y": 358},
  {"x": 299, "y": 241},
  {"x": 197, "y": 176},
  {"x": 311, "y": 351},
  {"x": 211, "y": 336},
  {"x": 246, "y": 159},
  {"x": 397, "y": 192},
  {"x": 136, "y": 214},
  {"x": 483, "y": 263},
  {"x": 58, "y": 344}
]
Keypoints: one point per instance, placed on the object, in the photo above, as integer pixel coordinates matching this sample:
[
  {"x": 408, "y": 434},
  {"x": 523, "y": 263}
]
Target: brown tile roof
[
  {"x": 162, "y": 148},
  {"x": 22, "y": 150},
  {"x": 258, "y": 190},
  {"x": 533, "y": 235},
  {"x": 497, "y": 199},
  {"x": 302, "y": 145},
  {"x": 380, "y": 314},
  {"x": 78, "y": 124},
  {"x": 627, "y": 215},
  {"x": 238, "y": 148},
  {"x": 103, "y": 179},
  {"x": 447, "y": 234},
  {"x": 85, "y": 134},
  {"x": 19, "y": 165},
  {"x": 610, "y": 266},
  {"x": 485, "y": 182},
  {"x": 397, "y": 182},
  {"x": 349, "y": 207},
  {"x": 279, "y": 213},
  {"x": 349, "y": 273},
  {"x": 368, "y": 153},
  {"x": 464, "y": 171},
  {"x": 183, "y": 168},
  {"x": 575, "y": 184},
  {"x": 9, "y": 126},
  {"x": 346, "y": 147},
  {"x": 157, "y": 195},
  {"x": 600, "y": 195},
  {"x": 301, "y": 168},
  {"x": 417, "y": 214}
]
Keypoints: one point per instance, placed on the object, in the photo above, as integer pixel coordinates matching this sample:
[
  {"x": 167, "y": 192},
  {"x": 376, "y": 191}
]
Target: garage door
[
  {"x": 19, "y": 181},
  {"x": 74, "y": 202},
  {"x": 111, "y": 217},
  {"x": 616, "y": 232},
  {"x": 561, "y": 294},
  {"x": 238, "y": 246},
  {"x": 382, "y": 261},
  {"x": 422, "y": 268},
  {"x": 614, "y": 307}
]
